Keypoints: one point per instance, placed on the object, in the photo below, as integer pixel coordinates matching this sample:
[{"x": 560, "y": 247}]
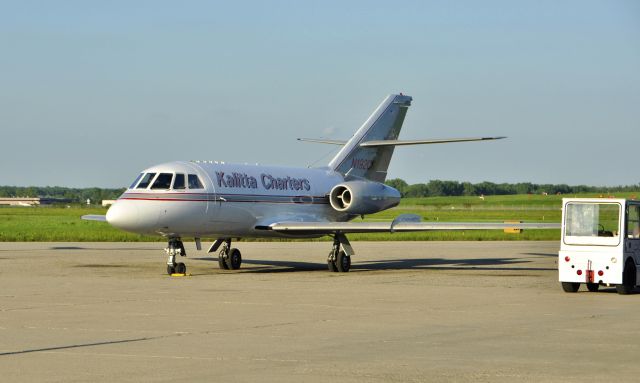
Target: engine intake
[{"x": 363, "y": 197}]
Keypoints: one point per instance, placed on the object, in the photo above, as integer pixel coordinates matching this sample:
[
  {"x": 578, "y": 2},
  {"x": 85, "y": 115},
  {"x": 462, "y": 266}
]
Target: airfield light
[{"x": 579, "y": 272}]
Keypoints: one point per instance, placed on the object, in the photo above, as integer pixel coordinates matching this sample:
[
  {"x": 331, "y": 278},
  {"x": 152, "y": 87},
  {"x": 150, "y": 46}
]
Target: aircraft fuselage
[{"x": 230, "y": 200}]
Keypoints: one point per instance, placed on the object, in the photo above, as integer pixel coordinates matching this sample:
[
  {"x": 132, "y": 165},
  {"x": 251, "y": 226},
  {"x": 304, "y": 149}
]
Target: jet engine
[{"x": 363, "y": 197}]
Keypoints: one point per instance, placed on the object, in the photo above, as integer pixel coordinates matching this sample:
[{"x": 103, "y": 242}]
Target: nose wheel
[
  {"x": 179, "y": 268},
  {"x": 174, "y": 248}
]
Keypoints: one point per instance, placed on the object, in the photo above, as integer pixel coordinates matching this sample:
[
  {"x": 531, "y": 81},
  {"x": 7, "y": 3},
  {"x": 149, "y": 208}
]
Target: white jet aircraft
[{"x": 201, "y": 199}]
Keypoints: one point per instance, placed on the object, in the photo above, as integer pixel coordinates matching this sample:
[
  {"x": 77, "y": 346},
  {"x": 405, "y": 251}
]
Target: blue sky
[{"x": 93, "y": 92}]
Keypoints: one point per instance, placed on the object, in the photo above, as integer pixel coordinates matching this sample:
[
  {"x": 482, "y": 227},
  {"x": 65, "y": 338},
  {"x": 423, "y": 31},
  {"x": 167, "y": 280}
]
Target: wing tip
[{"x": 94, "y": 217}]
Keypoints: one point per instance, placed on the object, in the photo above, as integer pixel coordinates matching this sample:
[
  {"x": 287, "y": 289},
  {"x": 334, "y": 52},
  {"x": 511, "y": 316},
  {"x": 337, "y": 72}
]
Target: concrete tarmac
[{"x": 407, "y": 312}]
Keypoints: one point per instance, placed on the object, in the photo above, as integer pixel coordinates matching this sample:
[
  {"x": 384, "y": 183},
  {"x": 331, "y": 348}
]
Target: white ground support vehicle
[{"x": 600, "y": 244}]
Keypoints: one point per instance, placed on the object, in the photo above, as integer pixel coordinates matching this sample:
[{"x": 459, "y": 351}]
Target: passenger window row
[{"x": 166, "y": 181}]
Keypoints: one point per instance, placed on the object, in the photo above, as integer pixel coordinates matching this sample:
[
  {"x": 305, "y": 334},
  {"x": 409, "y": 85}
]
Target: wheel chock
[{"x": 180, "y": 275}]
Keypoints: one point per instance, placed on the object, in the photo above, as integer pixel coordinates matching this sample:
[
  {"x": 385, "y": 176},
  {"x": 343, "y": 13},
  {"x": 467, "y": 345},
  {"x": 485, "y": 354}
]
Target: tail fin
[{"x": 384, "y": 124}]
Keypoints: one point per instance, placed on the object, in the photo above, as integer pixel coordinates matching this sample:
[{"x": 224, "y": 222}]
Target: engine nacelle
[{"x": 363, "y": 197}]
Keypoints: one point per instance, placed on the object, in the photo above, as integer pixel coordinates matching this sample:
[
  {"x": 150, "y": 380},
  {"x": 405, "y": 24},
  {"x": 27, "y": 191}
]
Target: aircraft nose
[{"x": 123, "y": 215}]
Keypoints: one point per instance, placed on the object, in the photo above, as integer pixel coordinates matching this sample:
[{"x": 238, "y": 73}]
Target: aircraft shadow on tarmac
[
  {"x": 542, "y": 254},
  {"x": 271, "y": 266},
  {"x": 110, "y": 248}
]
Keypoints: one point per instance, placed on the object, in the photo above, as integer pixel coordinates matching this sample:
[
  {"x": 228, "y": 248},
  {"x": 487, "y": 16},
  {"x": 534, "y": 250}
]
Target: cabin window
[
  {"x": 178, "y": 182},
  {"x": 146, "y": 180},
  {"x": 163, "y": 181},
  {"x": 194, "y": 182},
  {"x": 134, "y": 183}
]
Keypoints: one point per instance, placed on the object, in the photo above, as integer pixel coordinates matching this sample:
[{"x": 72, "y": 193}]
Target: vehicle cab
[{"x": 600, "y": 244}]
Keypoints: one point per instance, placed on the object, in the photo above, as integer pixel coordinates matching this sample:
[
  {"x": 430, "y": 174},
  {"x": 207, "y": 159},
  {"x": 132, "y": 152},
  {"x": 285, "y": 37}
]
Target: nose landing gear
[{"x": 175, "y": 247}]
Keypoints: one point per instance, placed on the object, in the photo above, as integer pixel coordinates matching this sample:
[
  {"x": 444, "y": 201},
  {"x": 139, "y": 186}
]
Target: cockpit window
[
  {"x": 134, "y": 183},
  {"x": 163, "y": 181},
  {"x": 178, "y": 183},
  {"x": 146, "y": 180},
  {"x": 194, "y": 182}
]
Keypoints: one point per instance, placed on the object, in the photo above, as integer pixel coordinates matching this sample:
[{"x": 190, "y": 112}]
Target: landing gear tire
[
  {"x": 338, "y": 259},
  {"x": 570, "y": 287},
  {"x": 343, "y": 262},
  {"x": 628, "y": 279},
  {"x": 174, "y": 249},
  {"x": 221, "y": 261},
  {"x": 234, "y": 260},
  {"x": 593, "y": 287}
]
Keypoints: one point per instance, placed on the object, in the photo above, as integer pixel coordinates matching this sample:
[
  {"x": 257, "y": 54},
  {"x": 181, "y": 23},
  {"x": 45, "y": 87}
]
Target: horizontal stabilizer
[
  {"x": 322, "y": 141},
  {"x": 405, "y": 226},
  {"x": 369, "y": 144},
  {"x": 93, "y": 217},
  {"x": 378, "y": 143}
]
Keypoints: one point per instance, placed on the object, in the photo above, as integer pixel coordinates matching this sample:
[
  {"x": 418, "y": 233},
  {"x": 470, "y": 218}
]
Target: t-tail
[
  {"x": 368, "y": 153},
  {"x": 371, "y": 162}
]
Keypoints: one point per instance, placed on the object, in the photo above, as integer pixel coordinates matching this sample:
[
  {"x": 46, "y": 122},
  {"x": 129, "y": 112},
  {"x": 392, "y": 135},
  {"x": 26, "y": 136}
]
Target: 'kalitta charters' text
[{"x": 269, "y": 182}]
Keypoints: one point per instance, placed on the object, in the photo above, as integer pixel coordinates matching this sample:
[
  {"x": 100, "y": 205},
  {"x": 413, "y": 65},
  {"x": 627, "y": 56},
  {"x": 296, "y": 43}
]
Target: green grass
[{"x": 61, "y": 224}]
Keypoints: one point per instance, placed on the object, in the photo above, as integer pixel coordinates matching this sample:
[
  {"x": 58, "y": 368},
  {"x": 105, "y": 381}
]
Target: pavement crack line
[{"x": 93, "y": 344}]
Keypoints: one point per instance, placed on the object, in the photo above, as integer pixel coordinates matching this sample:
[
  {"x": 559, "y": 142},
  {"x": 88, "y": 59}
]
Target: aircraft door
[
  {"x": 203, "y": 180},
  {"x": 632, "y": 231}
]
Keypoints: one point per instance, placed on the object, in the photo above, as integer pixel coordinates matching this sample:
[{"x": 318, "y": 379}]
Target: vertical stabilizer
[{"x": 384, "y": 124}]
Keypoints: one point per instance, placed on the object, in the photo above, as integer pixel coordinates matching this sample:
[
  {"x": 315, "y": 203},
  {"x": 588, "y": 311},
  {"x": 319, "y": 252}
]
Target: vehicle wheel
[
  {"x": 170, "y": 269},
  {"x": 234, "y": 260},
  {"x": 181, "y": 268},
  {"x": 570, "y": 287},
  {"x": 593, "y": 287},
  {"x": 221, "y": 262},
  {"x": 343, "y": 263},
  {"x": 331, "y": 265},
  {"x": 628, "y": 279}
]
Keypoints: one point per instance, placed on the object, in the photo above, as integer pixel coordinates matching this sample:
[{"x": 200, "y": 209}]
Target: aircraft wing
[
  {"x": 393, "y": 226},
  {"x": 93, "y": 217}
]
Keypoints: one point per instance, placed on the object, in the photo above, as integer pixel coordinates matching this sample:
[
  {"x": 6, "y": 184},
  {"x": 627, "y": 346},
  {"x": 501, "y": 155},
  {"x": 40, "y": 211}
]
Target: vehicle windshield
[
  {"x": 163, "y": 181},
  {"x": 592, "y": 224},
  {"x": 178, "y": 183},
  {"x": 146, "y": 180},
  {"x": 134, "y": 183}
]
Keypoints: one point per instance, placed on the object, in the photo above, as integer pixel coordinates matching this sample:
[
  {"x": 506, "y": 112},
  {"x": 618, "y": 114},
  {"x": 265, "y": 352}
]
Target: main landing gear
[
  {"x": 229, "y": 258},
  {"x": 339, "y": 259},
  {"x": 174, "y": 248}
]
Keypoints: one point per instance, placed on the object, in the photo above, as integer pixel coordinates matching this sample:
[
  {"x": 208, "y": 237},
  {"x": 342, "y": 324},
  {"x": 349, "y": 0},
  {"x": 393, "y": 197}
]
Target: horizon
[{"x": 389, "y": 179}]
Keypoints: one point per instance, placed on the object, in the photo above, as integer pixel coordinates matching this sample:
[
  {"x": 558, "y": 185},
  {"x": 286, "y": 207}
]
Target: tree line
[
  {"x": 434, "y": 188},
  {"x": 438, "y": 188},
  {"x": 71, "y": 194}
]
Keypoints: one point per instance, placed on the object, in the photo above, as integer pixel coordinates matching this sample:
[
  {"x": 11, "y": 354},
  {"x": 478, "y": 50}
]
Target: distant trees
[
  {"x": 436, "y": 188},
  {"x": 74, "y": 194},
  {"x": 433, "y": 188}
]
